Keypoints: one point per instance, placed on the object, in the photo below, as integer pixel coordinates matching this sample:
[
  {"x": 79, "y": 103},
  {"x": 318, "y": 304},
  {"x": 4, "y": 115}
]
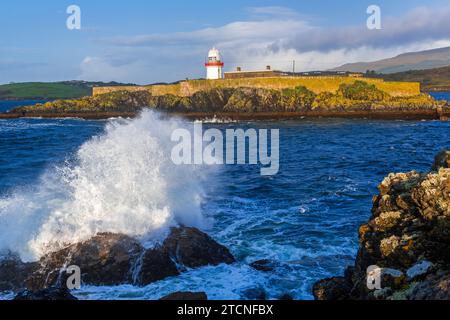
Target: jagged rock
[
  {"x": 392, "y": 278},
  {"x": 434, "y": 287},
  {"x": 442, "y": 160},
  {"x": 53, "y": 293},
  {"x": 336, "y": 288},
  {"x": 112, "y": 259},
  {"x": 106, "y": 259},
  {"x": 14, "y": 272},
  {"x": 189, "y": 247},
  {"x": 419, "y": 269},
  {"x": 264, "y": 265},
  {"x": 186, "y": 296},
  {"x": 286, "y": 296},
  {"x": 407, "y": 236},
  {"x": 156, "y": 264},
  {"x": 256, "y": 293}
]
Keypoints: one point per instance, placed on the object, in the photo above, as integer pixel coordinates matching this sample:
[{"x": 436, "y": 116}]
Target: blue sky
[{"x": 150, "y": 41}]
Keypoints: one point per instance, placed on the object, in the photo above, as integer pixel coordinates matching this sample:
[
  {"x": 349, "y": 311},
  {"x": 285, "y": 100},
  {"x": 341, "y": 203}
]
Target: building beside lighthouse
[{"x": 214, "y": 65}]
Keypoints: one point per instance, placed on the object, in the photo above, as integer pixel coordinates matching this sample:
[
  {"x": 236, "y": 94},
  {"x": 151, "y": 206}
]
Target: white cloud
[{"x": 272, "y": 36}]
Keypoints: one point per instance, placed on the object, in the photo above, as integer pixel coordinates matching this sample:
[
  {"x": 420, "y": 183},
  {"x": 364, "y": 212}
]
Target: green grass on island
[{"x": 49, "y": 90}]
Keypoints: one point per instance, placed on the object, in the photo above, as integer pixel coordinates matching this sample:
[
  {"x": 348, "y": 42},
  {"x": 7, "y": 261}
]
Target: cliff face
[
  {"x": 407, "y": 238},
  {"x": 358, "y": 96}
]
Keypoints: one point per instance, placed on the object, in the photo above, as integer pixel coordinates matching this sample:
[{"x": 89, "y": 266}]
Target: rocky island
[{"x": 356, "y": 98}]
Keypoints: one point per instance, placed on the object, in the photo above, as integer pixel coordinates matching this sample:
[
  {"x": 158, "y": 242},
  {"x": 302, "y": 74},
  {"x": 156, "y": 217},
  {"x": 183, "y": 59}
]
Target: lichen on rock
[{"x": 409, "y": 232}]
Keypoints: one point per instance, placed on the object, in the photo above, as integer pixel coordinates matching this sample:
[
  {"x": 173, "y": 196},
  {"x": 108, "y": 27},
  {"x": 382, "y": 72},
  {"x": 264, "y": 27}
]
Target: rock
[
  {"x": 407, "y": 236},
  {"x": 189, "y": 247},
  {"x": 434, "y": 287},
  {"x": 156, "y": 265},
  {"x": 106, "y": 259},
  {"x": 392, "y": 278},
  {"x": 382, "y": 294},
  {"x": 286, "y": 296},
  {"x": 52, "y": 293},
  {"x": 442, "y": 160},
  {"x": 186, "y": 296},
  {"x": 14, "y": 273},
  {"x": 113, "y": 259},
  {"x": 264, "y": 265},
  {"x": 336, "y": 288},
  {"x": 256, "y": 293},
  {"x": 419, "y": 269}
]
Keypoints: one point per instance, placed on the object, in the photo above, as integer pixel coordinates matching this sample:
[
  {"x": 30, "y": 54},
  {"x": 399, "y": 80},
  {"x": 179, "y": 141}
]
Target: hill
[
  {"x": 49, "y": 90},
  {"x": 420, "y": 60},
  {"x": 431, "y": 79}
]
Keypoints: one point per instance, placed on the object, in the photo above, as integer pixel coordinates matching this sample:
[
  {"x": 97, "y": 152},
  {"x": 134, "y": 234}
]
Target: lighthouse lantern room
[{"x": 214, "y": 65}]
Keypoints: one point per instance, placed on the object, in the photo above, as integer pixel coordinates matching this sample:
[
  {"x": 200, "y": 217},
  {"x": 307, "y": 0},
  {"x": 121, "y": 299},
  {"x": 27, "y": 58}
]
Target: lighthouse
[{"x": 214, "y": 65}]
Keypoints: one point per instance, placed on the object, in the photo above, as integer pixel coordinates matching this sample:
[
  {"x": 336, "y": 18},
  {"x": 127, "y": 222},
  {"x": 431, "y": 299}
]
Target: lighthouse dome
[{"x": 214, "y": 55}]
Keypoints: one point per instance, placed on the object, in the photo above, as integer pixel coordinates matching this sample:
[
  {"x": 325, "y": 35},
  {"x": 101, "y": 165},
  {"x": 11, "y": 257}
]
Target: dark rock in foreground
[
  {"x": 52, "y": 293},
  {"x": 14, "y": 272},
  {"x": 113, "y": 259},
  {"x": 264, "y": 265},
  {"x": 192, "y": 248},
  {"x": 407, "y": 238},
  {"x": 105, "y": 259},
  {"x": 185, "y": 296}
]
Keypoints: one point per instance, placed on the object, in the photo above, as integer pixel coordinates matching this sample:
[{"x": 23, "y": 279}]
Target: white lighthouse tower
[{"x": 214, "y": 65}]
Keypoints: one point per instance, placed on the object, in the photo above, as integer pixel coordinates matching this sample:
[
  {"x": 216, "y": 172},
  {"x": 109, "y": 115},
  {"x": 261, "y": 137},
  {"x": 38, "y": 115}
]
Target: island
[{"x": 280, "y": 97}]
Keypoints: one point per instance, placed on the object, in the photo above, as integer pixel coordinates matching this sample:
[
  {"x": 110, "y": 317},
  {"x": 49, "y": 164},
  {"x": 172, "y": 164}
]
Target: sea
[{"x": 64, "y": 180}]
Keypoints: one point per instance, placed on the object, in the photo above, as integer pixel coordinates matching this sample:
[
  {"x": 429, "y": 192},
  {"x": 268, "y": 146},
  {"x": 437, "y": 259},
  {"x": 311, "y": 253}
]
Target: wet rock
[
  {"x": 442, "y": 160},
  {"x": 156, "y": 264},
  {"x": 419, "y": 269},
  {"x": 53, "y": 293},
  {"x": 392, "y": 278},
  {"x": 186, "y": 296},
  {"x": 112, "y": 259},
  {"x": 256, "y": 293},
  {"x": 189, "y": 247},
  {"x": 434, "y": 287},
  {"x": 14, "y": 273},
  {"x": 336, "y": 288},
  {"x": 264, "y": 265},
  {"x": 106, "y": 259}
]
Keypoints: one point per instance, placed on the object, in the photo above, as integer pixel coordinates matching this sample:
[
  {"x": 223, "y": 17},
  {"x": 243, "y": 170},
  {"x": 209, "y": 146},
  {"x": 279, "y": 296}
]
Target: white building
[{"x": 214, "y": 65}]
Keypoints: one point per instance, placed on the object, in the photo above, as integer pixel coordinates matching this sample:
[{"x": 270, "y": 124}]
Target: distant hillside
[
  {"x": 50, "y": 90},
  {"x": 431, "y": 80},
  {"x": 408, "y": 61}
]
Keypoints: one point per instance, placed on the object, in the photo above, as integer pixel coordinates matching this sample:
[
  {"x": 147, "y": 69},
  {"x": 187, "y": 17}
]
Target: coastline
[{"x": 382, "y": 114}]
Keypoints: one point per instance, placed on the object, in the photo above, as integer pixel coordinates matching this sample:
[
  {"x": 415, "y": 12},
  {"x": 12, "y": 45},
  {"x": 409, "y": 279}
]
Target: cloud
[
  {"x": 270, "y": 36},
  {"x": 420, "y": 24},
  {"x": 272, "y": 11}
]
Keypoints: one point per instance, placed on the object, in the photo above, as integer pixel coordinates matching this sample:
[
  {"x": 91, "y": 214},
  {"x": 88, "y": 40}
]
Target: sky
[{"x": 148, "y": 41}]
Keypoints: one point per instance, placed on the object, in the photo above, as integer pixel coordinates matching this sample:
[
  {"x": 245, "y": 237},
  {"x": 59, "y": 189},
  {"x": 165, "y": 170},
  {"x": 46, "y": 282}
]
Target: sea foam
[{"x": 122, "y": 181}]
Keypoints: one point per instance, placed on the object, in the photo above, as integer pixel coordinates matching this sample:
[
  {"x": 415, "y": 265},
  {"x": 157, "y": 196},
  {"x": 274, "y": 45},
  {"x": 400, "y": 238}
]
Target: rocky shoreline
[
  {"x": 111, "y": 259},
  {"x": 357, "y": 100},
  {"x": 406, "y": 243},
  {"x": 443, "y": 115}
]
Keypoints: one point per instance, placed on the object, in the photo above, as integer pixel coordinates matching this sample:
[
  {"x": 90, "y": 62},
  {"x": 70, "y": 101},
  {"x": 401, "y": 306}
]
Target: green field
[
  {"x": 50, "y": 90},
  {"x": 437, "y": 79}
]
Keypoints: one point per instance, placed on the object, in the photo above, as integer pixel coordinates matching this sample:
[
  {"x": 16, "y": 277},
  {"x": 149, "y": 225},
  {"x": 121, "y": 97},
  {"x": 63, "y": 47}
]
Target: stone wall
[{"x": 316, "y": 84}]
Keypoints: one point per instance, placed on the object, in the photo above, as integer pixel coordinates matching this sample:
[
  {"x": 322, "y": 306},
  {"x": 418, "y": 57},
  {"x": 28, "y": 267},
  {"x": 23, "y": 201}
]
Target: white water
[{"x": 122, "y": 181}]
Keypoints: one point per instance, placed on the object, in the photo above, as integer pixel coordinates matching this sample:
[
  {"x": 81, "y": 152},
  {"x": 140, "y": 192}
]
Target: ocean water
[
  {"x": 11, "y": 104},
  {"x": 66, "y": 179},
  {"x": 441, "y": 95}
]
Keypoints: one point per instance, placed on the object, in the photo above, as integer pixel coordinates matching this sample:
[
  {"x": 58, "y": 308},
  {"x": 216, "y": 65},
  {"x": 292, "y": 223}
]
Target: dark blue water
[
  {"x": 441, "y": 95},
  {"x": 306, "y": 218},
  {"x": 11, "y": 104}
]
